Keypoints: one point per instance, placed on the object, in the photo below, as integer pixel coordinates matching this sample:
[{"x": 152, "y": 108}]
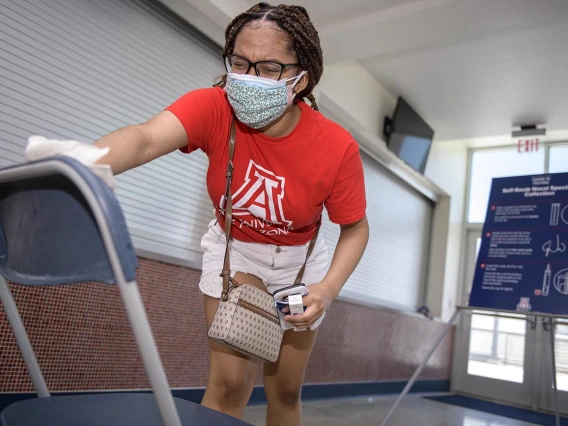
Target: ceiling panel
[{"x": 482, "y": 88}]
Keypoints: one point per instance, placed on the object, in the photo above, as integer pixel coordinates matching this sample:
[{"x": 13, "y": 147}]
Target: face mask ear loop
[{"x": 298, "y": 78}]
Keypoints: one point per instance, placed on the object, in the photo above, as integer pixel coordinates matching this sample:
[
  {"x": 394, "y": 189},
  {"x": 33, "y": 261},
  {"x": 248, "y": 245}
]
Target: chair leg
[{"x": 22, "y": 338}]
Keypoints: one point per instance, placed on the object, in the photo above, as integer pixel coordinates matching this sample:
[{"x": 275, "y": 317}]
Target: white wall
[
  {"x": 214, "y": 29},
  {"x": 447, "y": 167},
  {"x": 358, "y": 93}
]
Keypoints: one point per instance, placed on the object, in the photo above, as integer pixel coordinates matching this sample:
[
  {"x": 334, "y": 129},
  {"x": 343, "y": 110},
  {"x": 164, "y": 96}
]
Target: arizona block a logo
[{"x": 258, "y": 202}]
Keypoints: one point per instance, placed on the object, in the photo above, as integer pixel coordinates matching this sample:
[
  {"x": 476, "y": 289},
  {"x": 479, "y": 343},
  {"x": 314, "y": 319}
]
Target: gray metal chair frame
[{"x": 103, "y": 208}]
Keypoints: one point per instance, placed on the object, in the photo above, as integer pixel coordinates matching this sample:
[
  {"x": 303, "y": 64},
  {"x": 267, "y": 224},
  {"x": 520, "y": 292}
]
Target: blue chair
[{"x": 61, "y": 224}]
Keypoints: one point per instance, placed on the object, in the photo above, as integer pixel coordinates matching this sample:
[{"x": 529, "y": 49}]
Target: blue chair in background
[{"x": 61, "y": 224}]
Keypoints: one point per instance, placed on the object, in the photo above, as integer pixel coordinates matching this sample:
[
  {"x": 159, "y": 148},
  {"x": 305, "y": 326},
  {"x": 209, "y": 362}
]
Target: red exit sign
[{"x": 527, "y": 145}]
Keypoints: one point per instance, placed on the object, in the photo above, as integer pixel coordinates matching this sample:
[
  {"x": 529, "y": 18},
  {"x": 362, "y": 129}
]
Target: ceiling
[{"x": 471, "y": 68}]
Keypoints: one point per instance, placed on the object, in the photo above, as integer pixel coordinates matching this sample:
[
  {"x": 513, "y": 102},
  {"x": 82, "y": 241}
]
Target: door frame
[
  {"x": 546, "y": 393},
  {"x": 521, "y": 394},
  {"x": 510, "y": 392}
]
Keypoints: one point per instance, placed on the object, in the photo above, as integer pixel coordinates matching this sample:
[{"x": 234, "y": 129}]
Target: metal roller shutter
[
  {"x": 80, "y": 69},
  {"x": 392, "y": 272}
]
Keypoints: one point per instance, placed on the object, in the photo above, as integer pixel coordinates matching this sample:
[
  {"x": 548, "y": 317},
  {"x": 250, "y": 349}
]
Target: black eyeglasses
[{"x": 267, "y": 69}]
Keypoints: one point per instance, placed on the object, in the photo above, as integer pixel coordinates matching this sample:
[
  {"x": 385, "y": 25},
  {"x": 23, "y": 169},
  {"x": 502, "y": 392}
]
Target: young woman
[{"x": 290, "y": 162}]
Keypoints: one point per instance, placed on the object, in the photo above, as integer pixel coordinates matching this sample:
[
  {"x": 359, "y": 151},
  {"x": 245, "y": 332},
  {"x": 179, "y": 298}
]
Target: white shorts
[{"x": 276, "y": 266}]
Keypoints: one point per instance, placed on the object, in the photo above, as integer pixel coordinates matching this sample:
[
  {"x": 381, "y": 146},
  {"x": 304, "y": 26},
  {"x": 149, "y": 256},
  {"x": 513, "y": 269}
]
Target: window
[
  {"x": 497, "y": 348},
  {"x": 489, "y": 164},
  {"x": 558, "y": 159}
]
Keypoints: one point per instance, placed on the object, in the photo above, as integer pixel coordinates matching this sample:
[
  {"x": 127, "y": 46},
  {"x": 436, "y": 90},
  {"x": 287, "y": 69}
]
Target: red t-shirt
[{"x": 280, "y": 185}]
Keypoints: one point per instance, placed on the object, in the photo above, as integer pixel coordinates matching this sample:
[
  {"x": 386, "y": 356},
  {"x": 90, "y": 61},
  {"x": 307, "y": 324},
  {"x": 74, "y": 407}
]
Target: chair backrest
[
  {"x": 50, "y": 225},
  {"x": 61, "y": 224}
]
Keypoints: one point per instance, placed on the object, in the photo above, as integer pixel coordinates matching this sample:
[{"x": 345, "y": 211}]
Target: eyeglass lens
[{"x": 237, "y": 65}]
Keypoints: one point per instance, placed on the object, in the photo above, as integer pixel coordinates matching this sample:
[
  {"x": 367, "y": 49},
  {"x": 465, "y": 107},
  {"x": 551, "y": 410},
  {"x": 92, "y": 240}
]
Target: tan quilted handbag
[{"x": 246, "y": 318}]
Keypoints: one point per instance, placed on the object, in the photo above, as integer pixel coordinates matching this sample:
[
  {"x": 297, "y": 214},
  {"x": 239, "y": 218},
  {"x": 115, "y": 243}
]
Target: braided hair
[{"x": 303, "y": 39}]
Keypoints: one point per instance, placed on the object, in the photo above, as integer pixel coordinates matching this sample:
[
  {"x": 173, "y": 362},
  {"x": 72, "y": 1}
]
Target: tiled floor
[{"x": 413, "y": 411}]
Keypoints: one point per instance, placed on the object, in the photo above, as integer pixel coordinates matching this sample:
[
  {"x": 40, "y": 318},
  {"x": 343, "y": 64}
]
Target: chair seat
[{"x": 124, "y": 409}]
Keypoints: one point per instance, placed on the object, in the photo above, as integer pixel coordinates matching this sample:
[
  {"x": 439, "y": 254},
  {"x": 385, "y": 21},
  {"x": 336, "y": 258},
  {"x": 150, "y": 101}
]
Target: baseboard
[
  {"x": 351, "y": 389},
  {"x": 310, "y": 391}
]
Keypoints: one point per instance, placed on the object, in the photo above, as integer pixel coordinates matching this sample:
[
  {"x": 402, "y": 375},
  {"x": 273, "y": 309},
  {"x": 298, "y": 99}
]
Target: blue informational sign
[{"x": 522, "y": 263}]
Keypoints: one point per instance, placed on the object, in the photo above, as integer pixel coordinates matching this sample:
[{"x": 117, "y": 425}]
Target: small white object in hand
[{"x": 39, "y": 148}]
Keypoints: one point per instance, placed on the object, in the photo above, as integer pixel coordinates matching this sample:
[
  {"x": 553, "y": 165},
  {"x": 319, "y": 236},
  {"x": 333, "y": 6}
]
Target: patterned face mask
[{"x": 258, "y": 101}]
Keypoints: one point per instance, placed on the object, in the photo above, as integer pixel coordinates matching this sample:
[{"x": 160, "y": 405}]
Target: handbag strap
[
  {"x": 228, "y": 281},
  {"x": 226, "y": 272},
  {"x": 309, "y": 252}
]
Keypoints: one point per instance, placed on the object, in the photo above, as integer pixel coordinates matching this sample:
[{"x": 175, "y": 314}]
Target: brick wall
[{"x": 83, "y": 340}]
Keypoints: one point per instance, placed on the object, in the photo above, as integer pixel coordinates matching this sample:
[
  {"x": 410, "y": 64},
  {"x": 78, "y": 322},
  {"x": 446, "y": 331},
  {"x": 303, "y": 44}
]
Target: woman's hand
[
  {"x": 348, "y": 251},
  {"x": 316, "y": 302}
]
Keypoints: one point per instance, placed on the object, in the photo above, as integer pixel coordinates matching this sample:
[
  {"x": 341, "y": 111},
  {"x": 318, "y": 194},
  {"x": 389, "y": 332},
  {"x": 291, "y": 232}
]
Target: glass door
[
  {"x": 558, "y": 163},
  {"x": 497, "y": 358},
  {"x": 507, "y": 357},
  {"x": 494, "y": 356},
  {"x": 561, "y": 360}
]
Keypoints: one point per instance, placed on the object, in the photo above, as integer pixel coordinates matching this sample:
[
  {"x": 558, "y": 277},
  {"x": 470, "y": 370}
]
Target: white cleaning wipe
[{"x": 40, "y": 148}]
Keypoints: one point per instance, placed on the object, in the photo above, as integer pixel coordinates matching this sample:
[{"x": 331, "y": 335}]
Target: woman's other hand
[{"x": 316, "y": 303}]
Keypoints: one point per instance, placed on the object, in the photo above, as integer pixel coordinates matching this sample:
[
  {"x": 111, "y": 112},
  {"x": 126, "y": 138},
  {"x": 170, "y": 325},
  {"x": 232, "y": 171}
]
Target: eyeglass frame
[{"x": 254, "y": 64}]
